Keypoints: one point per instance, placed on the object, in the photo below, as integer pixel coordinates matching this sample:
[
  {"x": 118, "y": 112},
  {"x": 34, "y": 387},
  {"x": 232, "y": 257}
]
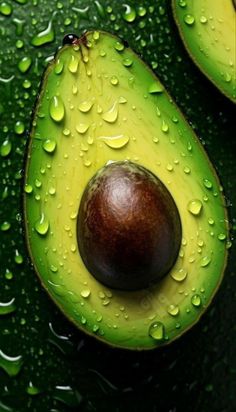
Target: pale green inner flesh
[
  {"x": 121, "y": 120},
  {"x": 210, "y": 38}
]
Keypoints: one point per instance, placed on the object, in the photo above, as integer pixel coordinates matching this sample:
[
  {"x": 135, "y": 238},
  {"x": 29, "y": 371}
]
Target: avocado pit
[{"x": 128, "y": 227}]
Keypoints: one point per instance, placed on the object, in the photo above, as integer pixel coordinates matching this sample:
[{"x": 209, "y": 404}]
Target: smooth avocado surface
[
  {"x": 208, "y": 30},
  {"x": 100, "y": 106}
]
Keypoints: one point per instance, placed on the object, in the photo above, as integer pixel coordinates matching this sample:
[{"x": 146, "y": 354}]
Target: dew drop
[
  {"x": 24, "y": 64},
  {"x": 207, "y": 183},
  {"x": 85, "y": 106},
  {"x": 127, "y": 62},
  {"x": 85, "y": 293},
  {"x": 164, "y": 127},
  {"x": 157, "y": 331},
  {"x": 73, "y": 64},
  {"x": 11, "y": 364},
  {"x": 82, "y": 128},
  {"x": 7, "y": 307},
  {"x": 203, "y": 20},
  {"x": 155, "y": 87},
  {"x": 56, "y": 108},
  {"x": 222, "y": 236},
  {"x": 179, "y": 275},
  {"x": 189, "y": 19},
  {"x": 196, "y": 300},
  {"x": 5, "y": 9},
  {"x": 129, "y": 14},
  {"x": 119, "y": 46},
  {"x": 114, "y": 80},
  {"x": 5, "y": 148},
  {"x": 173, "y": 310},
  {"x": 195, "y": 207},
  {"x": 49, "y": 145},
  {"x": 205, "y": 261},
  {"x": 32, "y": 390},
  {"x": 44, "y": 37},
  {"x": 115, "y": 142},
  {"x": 42, "y": 225},
  {"x": 59, "y": 67},
  {"x": 111, "y": 115}
]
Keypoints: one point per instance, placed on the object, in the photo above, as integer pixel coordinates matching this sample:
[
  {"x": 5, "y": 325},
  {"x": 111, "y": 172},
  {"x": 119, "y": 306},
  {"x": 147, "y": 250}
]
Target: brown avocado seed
[{"x": 128, "y": 227}]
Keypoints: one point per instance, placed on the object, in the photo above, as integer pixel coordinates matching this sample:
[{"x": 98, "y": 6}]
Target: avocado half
[
  {"x": 99, "y": 104},
  {"x": 208, "y": 30}
]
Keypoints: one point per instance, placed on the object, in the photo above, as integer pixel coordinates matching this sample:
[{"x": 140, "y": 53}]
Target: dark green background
[{"x": 196, "y": 373}]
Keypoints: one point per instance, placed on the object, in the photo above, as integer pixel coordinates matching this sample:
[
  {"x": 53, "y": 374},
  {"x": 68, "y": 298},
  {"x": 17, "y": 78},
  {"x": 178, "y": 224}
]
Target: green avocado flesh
[
  {"x": 208, "y": 30},
  {"x": 100, "y": 103}
]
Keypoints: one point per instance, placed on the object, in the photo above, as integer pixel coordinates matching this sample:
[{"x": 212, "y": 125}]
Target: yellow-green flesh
[
  {"x": 116, "y": 109},
  {"x": 208, "y": 29}
]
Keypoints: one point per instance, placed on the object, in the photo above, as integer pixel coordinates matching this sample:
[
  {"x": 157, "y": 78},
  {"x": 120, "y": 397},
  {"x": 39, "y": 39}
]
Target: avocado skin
[
  {"x": 207, "y": 347},
  {"x": 208, "y": 30}
]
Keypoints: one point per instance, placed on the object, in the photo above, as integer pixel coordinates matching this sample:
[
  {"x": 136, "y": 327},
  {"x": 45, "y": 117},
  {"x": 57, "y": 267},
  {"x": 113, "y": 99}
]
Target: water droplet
[
  {"x": 8, "y": 274},
  {"x": 157, "y": 331},
  {"x": 205, "y": 261},
  {"x": 18, "y": 257},
  {"x": 207, "y": 183},
  {"x": 195, "y": 207},
  {"x": 42, "y": 225},
  {"x": 222, "y": 236},
  {"x": 32, "y": 390},
  {"x": 211, "y": 221},
  {"x": 85, "y": 293},
  {"x": 73, "y": 64},
  {"x": 49, "y": 145},
  {"x": 7, "y": 307},
  {"x": 173, "y": 310},
  {"x": 115, "y": 142},
  {"x": 155, "y": 87},
  {"x": 85, "y": 106},
  {"x": 44, "y": 37},
  {"x": 114, "y": 80},
  {"x": 59, "y": 67},
  {"x": 179, "y": 275},
  {"x": 196, "y": 300},
  {"x": 82, "y": 128},
  {"x": 189, "y": 19},
  {"x": 119, "y": 46},
  {"x": 24, "y": 64},
  {"x": 5, "y": 226},
  {"x": 164, "y": 127},
  {"x": 203, "y": 19},
  {"x": 111, "y": 115},
  {"x": 127, "y": 62},
  {"x": 56, "y": 109},
  {"x": 11, "y": 364},
  {"x": 5, "y": 8},
  {"x": 182, "y": 3},
  {"x": 129, "y": 14},
  {"x": 67, "y": 396},
  {"x": 5, "y": 148},
  {"x": 19, "y": 127}
]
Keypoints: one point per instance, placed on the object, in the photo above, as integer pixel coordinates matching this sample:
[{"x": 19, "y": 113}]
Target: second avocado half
[{"x": 104, "y": 120}]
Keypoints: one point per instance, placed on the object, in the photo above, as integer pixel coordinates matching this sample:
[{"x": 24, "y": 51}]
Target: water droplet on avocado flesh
[
  {"x": 207, "y": 29},
  {"x": 84, "y": 124},
  {"x": 129, "y": 229}
]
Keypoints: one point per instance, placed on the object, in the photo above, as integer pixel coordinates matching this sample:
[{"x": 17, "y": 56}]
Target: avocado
[
  {"x": 109, "y": 150},
  {"x": 208, "y": 30}
]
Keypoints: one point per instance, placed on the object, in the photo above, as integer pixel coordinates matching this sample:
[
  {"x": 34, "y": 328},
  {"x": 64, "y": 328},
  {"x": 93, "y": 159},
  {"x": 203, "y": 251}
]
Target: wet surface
[{"x": 45, "y": 363}]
